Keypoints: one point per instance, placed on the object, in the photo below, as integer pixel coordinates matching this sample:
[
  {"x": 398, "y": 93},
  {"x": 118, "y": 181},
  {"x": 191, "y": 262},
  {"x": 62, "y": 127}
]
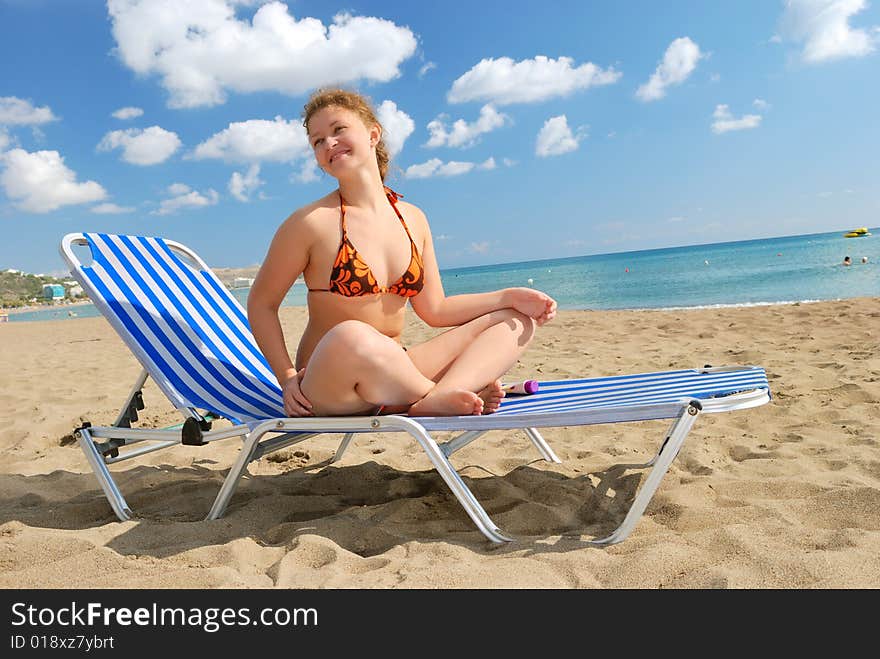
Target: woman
[{"x": 350, "y": 247}]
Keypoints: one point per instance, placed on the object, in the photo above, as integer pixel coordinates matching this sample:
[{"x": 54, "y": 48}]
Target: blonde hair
[{"x": 357, "y": 103}]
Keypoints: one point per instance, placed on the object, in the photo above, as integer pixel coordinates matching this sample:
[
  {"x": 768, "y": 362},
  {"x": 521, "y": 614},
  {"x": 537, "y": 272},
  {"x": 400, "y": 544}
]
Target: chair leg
[
  {"x": 465, "y": 438},
  {"x": 346, "y": 440},
  {"x": 245, "y": 455},
  {"x": 435, "y": 455},
  {"x": 102, "y": 473},
  {"x": 668, "y": 452},
  {"x": 542, "y": 446},
  {"x": 448, "y": 473}
]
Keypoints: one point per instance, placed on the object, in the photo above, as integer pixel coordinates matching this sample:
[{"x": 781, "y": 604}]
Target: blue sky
[{"x": 523, "y": 130}]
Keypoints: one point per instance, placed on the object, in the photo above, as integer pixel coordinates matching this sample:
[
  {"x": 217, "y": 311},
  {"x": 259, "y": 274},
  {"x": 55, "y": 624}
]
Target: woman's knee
[
  {"x": 347, "y": 337},
  {"x": 357, "y": 340},
  {"x": 522, "y": 325}
]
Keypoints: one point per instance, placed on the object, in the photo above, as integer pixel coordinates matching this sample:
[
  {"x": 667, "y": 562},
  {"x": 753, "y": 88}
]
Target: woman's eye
[{"x": 317, "y": 143}]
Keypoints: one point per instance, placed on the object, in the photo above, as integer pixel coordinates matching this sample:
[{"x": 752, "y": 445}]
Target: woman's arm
[
  {"x": 437, "y": 310},
  {"x": 286, "y": 259}
]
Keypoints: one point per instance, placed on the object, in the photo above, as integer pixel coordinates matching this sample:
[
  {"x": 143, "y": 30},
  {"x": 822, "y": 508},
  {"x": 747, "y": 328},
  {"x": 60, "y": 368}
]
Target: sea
[{"x": 789, "y": 269}]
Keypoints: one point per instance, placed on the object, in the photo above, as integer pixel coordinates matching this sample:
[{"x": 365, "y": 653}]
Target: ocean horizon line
[{"x": 649, "y": 250}]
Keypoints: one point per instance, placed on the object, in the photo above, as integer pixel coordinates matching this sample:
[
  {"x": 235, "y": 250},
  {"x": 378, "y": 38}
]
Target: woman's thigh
[
  {"x": 355, "y": 369},
  {"x": 332, "y": 371},
  {"x": 434, "y": 357}
]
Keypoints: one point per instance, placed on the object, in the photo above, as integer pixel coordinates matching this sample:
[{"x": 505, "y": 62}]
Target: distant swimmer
[
  {"x": 706, "y": 262},
  {"x": 864, "y": 259},
  {"x": 847, "y": 260}
]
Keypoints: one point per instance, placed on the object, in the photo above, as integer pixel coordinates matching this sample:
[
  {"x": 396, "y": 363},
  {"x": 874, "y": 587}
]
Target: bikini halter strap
[{"x": 392, "y": 197}]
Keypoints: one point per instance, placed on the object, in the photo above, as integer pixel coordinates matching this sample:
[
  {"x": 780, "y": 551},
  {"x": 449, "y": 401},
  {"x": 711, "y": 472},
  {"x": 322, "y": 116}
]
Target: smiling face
[{"x": 341, "y": 141}]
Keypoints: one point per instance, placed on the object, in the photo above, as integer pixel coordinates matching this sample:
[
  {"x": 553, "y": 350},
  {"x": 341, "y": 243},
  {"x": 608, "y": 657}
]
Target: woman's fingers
[
  {"x": 301, "y": 399},
  {"x": 297, "y": 391},
  {"x": 295, "y": 409},
  {"x": 293, "y": 406}
]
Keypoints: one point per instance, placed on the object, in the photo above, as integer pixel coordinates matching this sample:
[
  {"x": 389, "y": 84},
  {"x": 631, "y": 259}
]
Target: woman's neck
[{"x": 364, "y": 191}]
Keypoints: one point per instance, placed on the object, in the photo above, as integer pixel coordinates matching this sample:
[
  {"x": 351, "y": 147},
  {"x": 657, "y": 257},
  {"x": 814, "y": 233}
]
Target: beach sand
[{"x": 786, "y": 495}]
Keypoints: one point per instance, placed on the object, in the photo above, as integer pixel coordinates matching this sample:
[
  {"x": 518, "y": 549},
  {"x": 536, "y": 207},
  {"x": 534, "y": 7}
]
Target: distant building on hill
[
  {"x": 53, "y": 292},
  {"x": 242, "y": 282}
]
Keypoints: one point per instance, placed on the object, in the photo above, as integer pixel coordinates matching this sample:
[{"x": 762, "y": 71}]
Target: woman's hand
[
  {"x": 538, "y": 306},
  {"x": 295, "y": 403}
]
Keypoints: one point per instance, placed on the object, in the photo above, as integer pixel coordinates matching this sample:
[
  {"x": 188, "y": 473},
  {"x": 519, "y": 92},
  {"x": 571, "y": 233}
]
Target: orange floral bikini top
[{"x": 352, "y": 277}]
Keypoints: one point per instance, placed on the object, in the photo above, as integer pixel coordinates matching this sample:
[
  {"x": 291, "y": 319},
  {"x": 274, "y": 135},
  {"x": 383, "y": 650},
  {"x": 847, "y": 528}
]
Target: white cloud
[
  {"x": 556, "y": 138},
  {"x": 257, "y": 140},
  {"x": 454, "y": 168},
  {"x": 200, "y": 49},
  {"x": 503, "y": 81},
  {"x": 40, "y": 182},
  {"x": 184, "y": 197},
  {"x": 725, "y": 122},
  {"x": 241, "y": 186},
  {"x": 679, "y": 61},
  {"x": 479, "y": 248},
  {"x": 509, "y": 162},
  {"x": 17, "y": 111},
  {"x": 5, "y": 140},
  {"x": 178, "y": 189},
  {"x": 489, "y": 163},
  {"x": 428, "y": 66},
  {"x": 423, "y": 170},
  {"x": 462, "y": 133},
  {"x": 111, "y": 209},
  {"x": 823, "y": 27},
  {"x": 308, "y": 173},
  {"x": 761, "y": 104},
  {"x": 436, "y": 167},
  {"x": 397, "y": 126},
  {"x": 150, "y": 146},
  {"x": 127, "y": 113}
]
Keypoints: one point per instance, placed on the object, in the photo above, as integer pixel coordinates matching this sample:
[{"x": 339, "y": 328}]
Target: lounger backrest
[{"x": 181, "y": 322}]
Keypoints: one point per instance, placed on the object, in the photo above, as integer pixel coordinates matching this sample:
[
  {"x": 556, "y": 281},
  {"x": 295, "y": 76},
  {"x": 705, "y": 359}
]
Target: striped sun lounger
[{"x": 192, "y": 338}]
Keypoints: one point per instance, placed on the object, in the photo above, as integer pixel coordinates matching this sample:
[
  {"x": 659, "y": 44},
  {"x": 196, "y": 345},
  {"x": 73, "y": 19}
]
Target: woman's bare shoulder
[
  {"x": 412, "y": 213},
  {"x": 311, "y": 216}
]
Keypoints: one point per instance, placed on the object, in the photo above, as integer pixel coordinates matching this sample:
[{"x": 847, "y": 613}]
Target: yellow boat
[{"x": 857, "y": 233}]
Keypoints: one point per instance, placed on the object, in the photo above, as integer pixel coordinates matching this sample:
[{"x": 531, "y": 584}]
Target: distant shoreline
[
  {"x": 702, "y": 307},
  {"x": 39, "y": 307}
]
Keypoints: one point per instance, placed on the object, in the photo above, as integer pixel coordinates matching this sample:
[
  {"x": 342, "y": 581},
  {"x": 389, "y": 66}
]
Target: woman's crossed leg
[{"x": 355, "y": 369}]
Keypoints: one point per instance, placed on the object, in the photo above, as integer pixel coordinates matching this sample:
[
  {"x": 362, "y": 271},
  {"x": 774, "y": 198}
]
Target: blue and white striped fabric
[
  {"x": 193, "y": 337},
  {"x": 184, "y": 325},
  {"x": 642, "y": 389}
]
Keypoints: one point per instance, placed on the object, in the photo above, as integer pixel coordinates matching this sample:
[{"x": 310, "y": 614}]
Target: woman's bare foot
[
  {"x": 455, "y": 402},
  {"x": 491, "y": 394}
]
